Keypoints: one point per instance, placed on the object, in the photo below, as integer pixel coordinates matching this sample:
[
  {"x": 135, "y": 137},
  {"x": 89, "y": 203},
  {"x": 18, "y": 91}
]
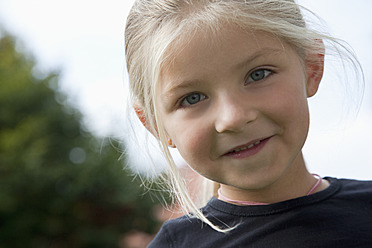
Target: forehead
[{"x": 202, "y": 52}]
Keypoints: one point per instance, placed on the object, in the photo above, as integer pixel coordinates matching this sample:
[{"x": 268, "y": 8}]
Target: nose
[{"x": 234, "y": 112}]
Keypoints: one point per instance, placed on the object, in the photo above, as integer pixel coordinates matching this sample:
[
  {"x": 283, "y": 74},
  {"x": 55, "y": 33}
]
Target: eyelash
[
  {"x": 267, "y": 72},
  {"x": 184, "y": 103}
]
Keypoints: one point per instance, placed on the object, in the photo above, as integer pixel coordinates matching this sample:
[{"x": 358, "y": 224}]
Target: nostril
[
  {"x": 233, "y": 112},
  {"x": 233, "y": 121}
]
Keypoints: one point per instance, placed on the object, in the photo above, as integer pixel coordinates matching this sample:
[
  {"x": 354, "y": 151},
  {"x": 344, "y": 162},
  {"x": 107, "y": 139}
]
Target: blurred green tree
[{"x": 59, "y": 185}]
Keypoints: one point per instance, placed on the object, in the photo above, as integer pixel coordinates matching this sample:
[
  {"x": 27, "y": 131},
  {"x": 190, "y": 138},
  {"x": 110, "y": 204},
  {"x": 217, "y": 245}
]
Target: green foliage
[{"x": 59, "y": 185}]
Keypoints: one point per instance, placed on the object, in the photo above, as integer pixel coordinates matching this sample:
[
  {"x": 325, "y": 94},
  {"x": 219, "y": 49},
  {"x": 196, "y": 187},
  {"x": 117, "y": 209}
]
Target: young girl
[{"x": 227, "y": 82}]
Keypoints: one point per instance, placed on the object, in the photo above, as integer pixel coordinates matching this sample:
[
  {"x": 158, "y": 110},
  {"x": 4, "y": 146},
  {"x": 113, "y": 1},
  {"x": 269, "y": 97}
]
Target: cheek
[
  {"x": 194, "y": 142},
  {"x": 289, "y": 108},
  {"x": 189, "y": 143},
  {"x": 189, "y": 137},
  {"x": 294, "y": 110},
  {"x": 295, "y": 118}
]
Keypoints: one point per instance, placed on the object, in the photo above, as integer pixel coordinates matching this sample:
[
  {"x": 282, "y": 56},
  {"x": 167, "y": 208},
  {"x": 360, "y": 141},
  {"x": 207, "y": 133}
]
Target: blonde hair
[{"x": 155, "y": 27}]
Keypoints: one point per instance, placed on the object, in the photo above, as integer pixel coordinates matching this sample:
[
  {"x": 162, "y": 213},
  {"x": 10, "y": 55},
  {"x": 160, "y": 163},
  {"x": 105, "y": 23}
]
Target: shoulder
[
  {"x": 355, "y": 190},
  {"x": 353, "y": 182},
  {"x": 351, "y": 186},
  {"x": 162, "y": 238},
  {"x": 169, "y": 233},
  {"x": 187, "y": 231}
]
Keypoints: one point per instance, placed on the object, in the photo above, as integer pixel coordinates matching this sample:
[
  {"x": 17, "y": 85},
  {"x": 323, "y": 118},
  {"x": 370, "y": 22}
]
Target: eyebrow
[
  {"x": 179, "y": 85},
  {"x": 258, "y": 54}
]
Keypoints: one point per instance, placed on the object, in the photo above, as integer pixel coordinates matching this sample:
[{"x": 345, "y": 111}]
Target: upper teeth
[{"x": 246, "y": 147}]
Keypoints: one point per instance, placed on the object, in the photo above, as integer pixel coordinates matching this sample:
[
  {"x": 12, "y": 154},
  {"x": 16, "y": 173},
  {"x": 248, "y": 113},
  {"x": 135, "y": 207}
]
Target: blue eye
[
  {"x": 258, "y": 75},
  {"x": 192, "y": 99}
]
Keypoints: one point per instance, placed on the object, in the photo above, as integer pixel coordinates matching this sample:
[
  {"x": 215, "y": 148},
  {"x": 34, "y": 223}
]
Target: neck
[
  {"x": 293, "y": 183},
  {"x": 224, "y": 198}
]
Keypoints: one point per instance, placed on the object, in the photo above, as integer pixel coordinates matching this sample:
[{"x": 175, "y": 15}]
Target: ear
[
  {"x": 314, "y": 68},
  {"x": 141, "y": 116}
]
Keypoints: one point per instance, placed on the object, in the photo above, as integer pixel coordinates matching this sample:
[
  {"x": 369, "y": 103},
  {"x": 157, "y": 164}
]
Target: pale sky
[{"x": 84, "y": 38}]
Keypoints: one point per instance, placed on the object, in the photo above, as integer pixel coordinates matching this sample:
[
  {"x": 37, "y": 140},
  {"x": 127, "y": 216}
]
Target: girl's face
[{"x": 236, "y": 107}]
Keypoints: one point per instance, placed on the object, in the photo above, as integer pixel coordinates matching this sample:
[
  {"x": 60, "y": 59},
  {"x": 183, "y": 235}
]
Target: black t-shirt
[{"x": 339, "y": 216}]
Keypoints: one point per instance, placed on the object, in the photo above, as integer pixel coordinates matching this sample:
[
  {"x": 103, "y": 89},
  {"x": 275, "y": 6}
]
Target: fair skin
[{"x": 236, "y": 108}]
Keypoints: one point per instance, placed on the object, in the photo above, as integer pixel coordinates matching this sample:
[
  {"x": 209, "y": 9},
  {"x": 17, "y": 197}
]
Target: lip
[{"x": 244, "y": 151}]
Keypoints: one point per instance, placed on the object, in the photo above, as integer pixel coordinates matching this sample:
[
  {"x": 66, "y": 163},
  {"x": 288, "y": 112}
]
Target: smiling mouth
[
  {"x": 245, "y": 147},
  {"x": 247, "y": 150}
]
